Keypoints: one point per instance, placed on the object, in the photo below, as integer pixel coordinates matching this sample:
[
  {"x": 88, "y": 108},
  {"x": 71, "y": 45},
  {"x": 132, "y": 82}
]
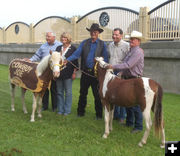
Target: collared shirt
[
  {"x": 133, "y": 63},
  {"x": 44, "y": 51},
  {"x": 91, "y": 54},
  {"x": 118, "y": 52}
]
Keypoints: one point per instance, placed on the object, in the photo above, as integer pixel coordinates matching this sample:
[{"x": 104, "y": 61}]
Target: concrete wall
[
  {"x": 162, "y": 60},
  {"x": 10, "y": 51},
  {"x": 162, "y": 63}
]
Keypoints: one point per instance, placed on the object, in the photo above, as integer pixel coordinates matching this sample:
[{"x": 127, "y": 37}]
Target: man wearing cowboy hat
[
  {"x": 88, "y": 50},
  {"x": 132, "y": 67}
]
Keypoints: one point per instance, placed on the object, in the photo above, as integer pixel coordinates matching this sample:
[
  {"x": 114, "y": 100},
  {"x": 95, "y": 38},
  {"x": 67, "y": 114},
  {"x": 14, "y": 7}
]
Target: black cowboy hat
[{"x": 95, "y": 27}]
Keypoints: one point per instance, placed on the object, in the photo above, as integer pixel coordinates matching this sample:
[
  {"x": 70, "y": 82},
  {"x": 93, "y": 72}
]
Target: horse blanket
[{"x": 24, "y": 74}]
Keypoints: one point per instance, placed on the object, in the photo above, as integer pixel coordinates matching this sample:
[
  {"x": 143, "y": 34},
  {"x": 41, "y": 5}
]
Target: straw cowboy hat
[
  {"x": 136, "y": 34},
  {"x": 95, "y": 27}
]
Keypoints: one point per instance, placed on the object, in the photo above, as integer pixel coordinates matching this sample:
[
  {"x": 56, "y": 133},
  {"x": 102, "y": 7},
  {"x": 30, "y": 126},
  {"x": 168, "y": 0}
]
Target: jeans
[
  {"x": 120, "y": 112},
  {"x": 134, "y": 117},
  {"x": 64, "y": 96}
]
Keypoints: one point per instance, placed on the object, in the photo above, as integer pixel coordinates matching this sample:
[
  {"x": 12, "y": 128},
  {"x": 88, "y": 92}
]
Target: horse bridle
[
  {"x": 95, "y": 67},
  {"x": 61, "y": 65}
]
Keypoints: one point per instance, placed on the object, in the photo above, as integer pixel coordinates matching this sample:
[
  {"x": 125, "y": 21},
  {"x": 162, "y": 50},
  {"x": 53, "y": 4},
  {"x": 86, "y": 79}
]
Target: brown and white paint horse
[
  {"x": 35, "y": 77},
  {"x": 143, "y": 91}
]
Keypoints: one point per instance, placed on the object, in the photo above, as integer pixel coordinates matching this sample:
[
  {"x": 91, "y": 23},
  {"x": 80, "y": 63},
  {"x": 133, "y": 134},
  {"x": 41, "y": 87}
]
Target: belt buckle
[{"x": 89, "y": 70}]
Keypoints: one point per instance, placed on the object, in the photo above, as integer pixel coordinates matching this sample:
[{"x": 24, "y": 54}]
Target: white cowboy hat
[{"x": 136, "y": 34}]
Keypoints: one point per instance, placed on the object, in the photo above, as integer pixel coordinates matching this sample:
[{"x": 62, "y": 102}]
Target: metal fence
[
  {"x": 108, "y": 18},
  {"x": 165, "y": 21},
  {"x": 160, "y": 23}
]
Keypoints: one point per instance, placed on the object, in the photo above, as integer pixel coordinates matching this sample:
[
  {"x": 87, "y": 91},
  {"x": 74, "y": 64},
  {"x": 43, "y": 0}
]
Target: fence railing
[
  {"x": 165, "y": 22},
  {"x": 161, "y": 23}
]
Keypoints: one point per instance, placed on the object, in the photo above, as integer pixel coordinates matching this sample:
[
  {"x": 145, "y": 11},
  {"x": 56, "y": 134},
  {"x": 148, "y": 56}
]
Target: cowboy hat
[
  {"x": 136, "y": 34},
  {"x": 95, "y": 27}
]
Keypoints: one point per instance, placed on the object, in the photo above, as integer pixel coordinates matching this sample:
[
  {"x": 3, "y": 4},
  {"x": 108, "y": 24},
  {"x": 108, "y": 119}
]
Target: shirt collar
[
  {"x": 118, "y": 44},
  {"x": 51, "y": 44},
  {"x": 134, "y": 48},
  {"x": 95, "y": 41}
]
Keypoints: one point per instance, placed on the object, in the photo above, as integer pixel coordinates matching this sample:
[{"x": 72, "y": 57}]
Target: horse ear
[{"x": 50, "y": 52}]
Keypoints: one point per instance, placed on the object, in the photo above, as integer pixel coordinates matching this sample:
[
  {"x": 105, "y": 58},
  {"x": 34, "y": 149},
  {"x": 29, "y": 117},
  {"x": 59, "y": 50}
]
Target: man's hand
[
  {"x": 65, "y": 62},
  {"x": 27, "y": 59},
  {"x": 73, "y": 76},
  {"x": 109, "y": 67}
]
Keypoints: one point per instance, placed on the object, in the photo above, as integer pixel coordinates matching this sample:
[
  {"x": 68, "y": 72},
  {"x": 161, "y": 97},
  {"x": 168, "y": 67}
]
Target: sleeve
[
  {"x": 58, "y": 49},
  {"x": 37, "y": 56},
  {"x": 76, "y": 54},
  {"x": 108, "y": 50},
  {"x": 105, "y": 53},
  {"x": 129, "y": 63},
  {"x": 75, "y": 62}
]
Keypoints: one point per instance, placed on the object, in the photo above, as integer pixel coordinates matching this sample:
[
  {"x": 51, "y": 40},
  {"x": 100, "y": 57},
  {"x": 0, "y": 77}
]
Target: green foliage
[{"x": 56, "y": 135}]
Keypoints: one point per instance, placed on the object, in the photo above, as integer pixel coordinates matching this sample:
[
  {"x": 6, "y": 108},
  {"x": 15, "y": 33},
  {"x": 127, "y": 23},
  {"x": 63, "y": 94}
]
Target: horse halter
[
  {"x": 102, "y": 66},
  {"x": 61, "y": 65}
]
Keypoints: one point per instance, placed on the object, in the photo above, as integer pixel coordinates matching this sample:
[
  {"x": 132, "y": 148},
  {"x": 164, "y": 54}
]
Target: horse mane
[{"x": 43, "y": 65}]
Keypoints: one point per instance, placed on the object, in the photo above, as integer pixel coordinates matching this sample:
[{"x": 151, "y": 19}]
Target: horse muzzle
[{"x": 56, "y": 74}]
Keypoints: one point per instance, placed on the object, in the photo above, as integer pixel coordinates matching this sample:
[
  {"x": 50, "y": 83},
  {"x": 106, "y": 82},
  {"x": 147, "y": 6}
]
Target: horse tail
[{"x": 158, "y": 125}]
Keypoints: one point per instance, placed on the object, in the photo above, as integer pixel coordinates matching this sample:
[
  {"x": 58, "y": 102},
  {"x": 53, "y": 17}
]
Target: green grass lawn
[{"x": 54, "y": 135}]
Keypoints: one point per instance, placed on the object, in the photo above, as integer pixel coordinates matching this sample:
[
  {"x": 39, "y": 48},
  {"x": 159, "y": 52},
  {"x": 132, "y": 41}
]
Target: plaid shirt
[{"x": 133, "y": 63}]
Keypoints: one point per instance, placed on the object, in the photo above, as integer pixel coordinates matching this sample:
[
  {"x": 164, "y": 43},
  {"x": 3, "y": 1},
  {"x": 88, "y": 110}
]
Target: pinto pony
[
  {"x": 138, "y": 91},
  {"x": 35, "y": 77}
]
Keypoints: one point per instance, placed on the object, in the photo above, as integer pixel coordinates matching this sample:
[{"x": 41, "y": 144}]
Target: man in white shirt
[{"x": 118, "y": 49}]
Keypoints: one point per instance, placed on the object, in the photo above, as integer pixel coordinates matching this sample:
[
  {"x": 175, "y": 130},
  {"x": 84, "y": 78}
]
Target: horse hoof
[
  {"x": 140, "y": 144},
  {"x": 32, "y": 120},
  {"x": 162, "y": 146},
  {"x": 39, "y": 115},
  {"x": 12, "y": 109},
  {"x": 25, "y": 112},
  {"x": 105, "y": 136}
]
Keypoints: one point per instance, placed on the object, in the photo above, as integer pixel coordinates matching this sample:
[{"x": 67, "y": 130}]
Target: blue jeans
[
  {"x": 134, "y": 117},
  {"x": 120, "y": 112},
  {"x": 64, "y": 96}
]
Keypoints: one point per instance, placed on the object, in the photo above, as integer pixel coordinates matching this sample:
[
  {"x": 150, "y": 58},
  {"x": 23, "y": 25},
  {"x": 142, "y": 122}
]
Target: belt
[
  {"x": 130, "y": 77},
  {"x": 89, "y": 70}
]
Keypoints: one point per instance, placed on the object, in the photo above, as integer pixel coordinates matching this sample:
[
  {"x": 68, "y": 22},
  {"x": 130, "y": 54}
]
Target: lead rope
[{"x": 82, "y": 70}]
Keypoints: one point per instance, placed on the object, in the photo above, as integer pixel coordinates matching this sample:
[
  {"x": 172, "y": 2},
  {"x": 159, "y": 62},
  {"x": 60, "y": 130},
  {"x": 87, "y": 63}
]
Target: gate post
[
  {"x": 144, "y": 23},
  {"x": 74, "y": 28},
  {"x": 31, "y": 31},
  {"x": 4, "y": 35}
]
